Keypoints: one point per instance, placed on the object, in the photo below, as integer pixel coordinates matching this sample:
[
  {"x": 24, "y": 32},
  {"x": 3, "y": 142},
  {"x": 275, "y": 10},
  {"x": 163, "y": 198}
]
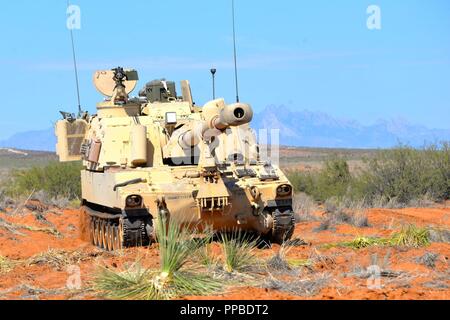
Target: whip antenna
[
  {"x": 75, "y": 66},
  {"x": 235, "y": 57}
]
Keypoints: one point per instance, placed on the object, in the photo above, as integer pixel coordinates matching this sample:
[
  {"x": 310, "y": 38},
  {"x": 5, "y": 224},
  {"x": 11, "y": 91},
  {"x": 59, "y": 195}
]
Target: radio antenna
[
  {"x": 235, "y": 56},
  {"x": 75, "y": 66}
]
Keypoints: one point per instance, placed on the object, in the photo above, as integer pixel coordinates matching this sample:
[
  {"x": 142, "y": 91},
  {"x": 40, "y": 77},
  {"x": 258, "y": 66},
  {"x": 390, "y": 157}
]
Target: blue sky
[{"x": 316, "y": 55}]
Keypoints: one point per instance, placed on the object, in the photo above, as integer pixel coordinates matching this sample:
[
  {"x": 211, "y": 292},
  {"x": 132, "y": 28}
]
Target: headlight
[
  {"x": 284, "y": 190},
  {"x": 133, "y": 201}
]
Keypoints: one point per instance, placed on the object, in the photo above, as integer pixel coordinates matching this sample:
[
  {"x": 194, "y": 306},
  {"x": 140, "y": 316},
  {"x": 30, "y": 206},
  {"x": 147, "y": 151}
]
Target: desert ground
[{"x": 42, "y": 251}]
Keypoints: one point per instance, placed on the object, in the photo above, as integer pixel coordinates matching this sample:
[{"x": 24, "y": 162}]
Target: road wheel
[
  {"x": 96, "y": 233},
  {"x": 115, "y": 238},
  {"x": 109, "y": 237},
  {"x": 92, "y": 231},
  {"x": 103, "y": 234}
]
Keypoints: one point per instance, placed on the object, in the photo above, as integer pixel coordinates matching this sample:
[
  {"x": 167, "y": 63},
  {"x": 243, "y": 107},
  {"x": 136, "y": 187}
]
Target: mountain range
[
  {"x": 317, "y": 129},
  {"x": 297, "y": 128}
]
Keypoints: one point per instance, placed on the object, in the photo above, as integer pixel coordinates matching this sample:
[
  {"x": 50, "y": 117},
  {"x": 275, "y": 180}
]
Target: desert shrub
[
  {"x": 57, "y": 180},
  {"x": 303, "y": 182},
  {"x": 406, "y": 174},
  {"x": 332, "y": 181},
  {"x": 398, "y": 177}
]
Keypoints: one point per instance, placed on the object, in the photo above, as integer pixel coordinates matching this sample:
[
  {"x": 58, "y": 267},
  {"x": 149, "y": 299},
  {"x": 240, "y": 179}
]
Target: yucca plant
[
  {"x": 238, "y": 250},
  {"x": 411, "y": 236},
  {"x": 176, "y": 247},
  {"x": 129, "y": 283}
]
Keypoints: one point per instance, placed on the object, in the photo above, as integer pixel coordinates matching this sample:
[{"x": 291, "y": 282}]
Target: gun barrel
[
  {"x": 191, "y": 137},
  {"x": 233, "y": 115}
]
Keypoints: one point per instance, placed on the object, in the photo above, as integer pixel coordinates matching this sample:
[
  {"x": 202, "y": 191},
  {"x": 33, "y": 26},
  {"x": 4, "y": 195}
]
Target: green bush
[
  {"x": 332, "y": 181},
  {"x": 406, "y": 174},
  {"x": 56, "y": 179},
  {"x": 399, "y": 175}
]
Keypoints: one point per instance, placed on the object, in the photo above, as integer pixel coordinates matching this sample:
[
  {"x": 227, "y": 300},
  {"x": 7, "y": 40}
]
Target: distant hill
[
  {"x": 39, "y": 140},
  {"x": 317, "y": 129},
  {"x": 297, "y": 128}
]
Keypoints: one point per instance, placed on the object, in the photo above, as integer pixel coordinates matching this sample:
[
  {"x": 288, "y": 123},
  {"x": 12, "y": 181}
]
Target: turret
[{"x": 216, "y": 118}]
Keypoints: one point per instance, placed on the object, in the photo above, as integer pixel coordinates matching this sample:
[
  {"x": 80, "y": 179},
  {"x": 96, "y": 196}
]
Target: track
[
  {"x": 283, "y": 226},
  {"x": 111, "y": 233},
  {"x": 114, "y": 232}
]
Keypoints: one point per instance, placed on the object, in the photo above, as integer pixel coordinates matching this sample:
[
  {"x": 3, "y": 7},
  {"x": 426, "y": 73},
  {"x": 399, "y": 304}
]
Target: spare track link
[
  {"x": 283, "y": 226},
  {"x": 116, "y": 234}
]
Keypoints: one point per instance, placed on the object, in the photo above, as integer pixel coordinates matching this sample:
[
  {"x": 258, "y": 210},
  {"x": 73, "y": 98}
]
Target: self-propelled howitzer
[{"x": 161, "y": 155}]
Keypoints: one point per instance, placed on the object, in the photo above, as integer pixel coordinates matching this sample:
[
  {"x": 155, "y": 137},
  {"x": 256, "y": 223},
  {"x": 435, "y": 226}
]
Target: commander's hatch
[{"x": 70, "y": 134}]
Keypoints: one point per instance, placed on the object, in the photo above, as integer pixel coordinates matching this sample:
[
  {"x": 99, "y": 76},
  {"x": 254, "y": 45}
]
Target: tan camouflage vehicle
[{"x": 161, "y": 155}]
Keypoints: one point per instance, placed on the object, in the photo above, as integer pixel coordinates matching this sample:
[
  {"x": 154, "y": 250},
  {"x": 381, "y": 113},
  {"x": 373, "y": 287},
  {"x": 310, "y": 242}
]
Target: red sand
[{"x": 44, "y": 281}]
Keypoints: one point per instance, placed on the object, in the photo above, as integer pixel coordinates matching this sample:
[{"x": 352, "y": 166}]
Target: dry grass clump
[
  {"x": 6, "y": 265},
  {"x": 428, "y": 259},
  {"x": 280, "y": 262},
  {"x": 45, "y": 198},
  {"x": 408, "y": 236},
  {"x": 303, "y": 207},
  {"x": 439, "y": 235},
  {"x": 308, "y": 286},
  {"x": 346, "y": 211},
  {"x": 363, "y": 242},
  {"x": 51, "y": 231},
  {"x": 60, "y": 259},
  {"x": 6, "y": 202},
  {"x": 343, "y": 211},
  {"x": 318, "y": 258},
  {"x": 364, "y": 273},
  {"x": 15, "y": 227}
]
